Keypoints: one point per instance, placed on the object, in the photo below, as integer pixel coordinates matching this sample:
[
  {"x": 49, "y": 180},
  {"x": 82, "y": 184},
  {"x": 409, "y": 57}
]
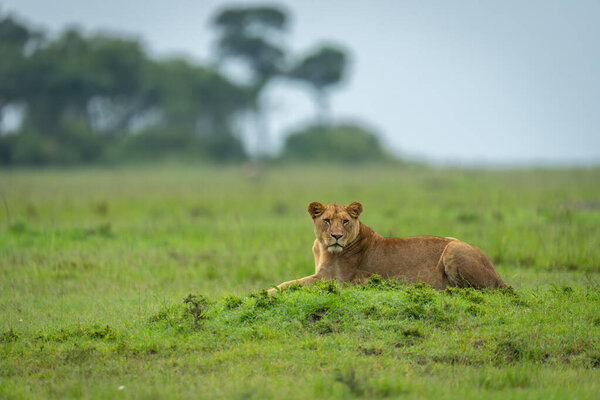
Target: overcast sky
[{"x": 467, "y": 81}]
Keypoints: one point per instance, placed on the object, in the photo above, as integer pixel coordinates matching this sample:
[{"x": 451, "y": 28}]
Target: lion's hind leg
[{"x": 467, "y": 266}]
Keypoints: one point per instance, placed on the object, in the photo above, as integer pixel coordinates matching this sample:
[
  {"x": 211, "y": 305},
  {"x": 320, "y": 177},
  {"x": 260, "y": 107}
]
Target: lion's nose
[{"x": 337, "y": 237}]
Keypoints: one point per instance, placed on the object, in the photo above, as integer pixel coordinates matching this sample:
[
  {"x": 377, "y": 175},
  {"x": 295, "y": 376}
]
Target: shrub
[{"x": 346, "y": 143}]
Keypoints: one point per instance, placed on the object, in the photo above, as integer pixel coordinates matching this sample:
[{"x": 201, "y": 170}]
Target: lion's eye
[
  {"x": 345, "y": 221},
  {"x": 327, "y": 220}
]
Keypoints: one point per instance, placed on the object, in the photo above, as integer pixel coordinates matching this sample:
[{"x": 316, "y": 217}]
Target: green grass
[{"x": 95, "y": 265}]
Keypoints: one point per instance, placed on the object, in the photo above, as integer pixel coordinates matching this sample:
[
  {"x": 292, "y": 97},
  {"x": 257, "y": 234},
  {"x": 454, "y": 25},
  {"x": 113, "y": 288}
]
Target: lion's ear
[
  {"x": 315, "y": 209},
  {"x": 354, "y": 209}
]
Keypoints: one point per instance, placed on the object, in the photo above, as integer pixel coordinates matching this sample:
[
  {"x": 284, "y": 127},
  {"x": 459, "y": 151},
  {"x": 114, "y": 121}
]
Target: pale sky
[{"x": 462, "y": 81}]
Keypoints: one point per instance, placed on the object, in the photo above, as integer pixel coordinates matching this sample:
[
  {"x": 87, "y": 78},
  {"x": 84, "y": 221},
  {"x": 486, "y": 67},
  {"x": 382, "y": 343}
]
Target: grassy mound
[{"x": 381, "y": 339}]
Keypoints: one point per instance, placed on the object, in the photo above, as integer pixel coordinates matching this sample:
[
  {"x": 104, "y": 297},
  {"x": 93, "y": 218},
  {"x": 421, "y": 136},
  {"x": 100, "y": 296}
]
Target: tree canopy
[
  {"x": 321, "y": 69},
  {"x": 253, "y": 35}
]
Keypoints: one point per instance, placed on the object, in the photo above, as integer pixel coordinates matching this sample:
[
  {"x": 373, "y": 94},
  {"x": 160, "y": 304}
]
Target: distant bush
[
  {"x": 344, "y": 142},
  {"x": 162, "y": 142},
  {"x": 76, "y": 144}
]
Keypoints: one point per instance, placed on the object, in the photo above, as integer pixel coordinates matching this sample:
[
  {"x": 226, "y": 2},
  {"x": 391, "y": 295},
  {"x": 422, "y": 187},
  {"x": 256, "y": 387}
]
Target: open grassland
[{"x": 95, "y": 265}]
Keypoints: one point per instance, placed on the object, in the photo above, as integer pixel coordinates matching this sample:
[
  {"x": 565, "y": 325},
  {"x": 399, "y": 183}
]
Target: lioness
[{"x": 349, "y": 250}]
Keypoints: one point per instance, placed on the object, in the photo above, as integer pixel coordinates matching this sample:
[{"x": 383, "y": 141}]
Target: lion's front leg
[
  {"x": 317, "y": 253},
  {"x": 302, "y": 281}
]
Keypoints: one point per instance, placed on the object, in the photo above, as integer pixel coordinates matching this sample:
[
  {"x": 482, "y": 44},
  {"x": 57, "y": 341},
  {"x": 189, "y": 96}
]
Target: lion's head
[{"x": 336, "y": 226}]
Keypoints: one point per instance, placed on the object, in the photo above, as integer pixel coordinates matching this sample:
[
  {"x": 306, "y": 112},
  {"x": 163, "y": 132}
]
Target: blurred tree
[
  {"x": 96, "y": 80},
  {"x": 196, "y": 97},
  {"x": 253, "y": 36},
  {"x": 75, "y": 88},
  {"x": 345, "y": 143},
  {"x": 195, "y": 105},
  {"x": 86, "y": 95},
  {"x": 122, "y": 96},
  {"x": 17, "y": 42},
  {"x": 321, "y": 70}
]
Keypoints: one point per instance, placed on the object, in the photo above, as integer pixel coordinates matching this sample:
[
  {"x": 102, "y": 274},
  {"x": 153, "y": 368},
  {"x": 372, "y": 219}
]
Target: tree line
[{"x": 96, "y": 97}]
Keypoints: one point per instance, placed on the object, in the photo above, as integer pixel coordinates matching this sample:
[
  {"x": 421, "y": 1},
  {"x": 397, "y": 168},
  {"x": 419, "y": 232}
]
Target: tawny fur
[{"x": 348, "y": 250}]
